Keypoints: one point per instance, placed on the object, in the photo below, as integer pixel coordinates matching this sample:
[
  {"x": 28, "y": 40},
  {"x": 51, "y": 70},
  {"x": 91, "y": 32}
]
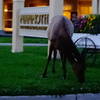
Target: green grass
[
  {"x": 26, "y": 40},
  {"x": 5, "y": 39},
  {"x": 20, "y": 74},
  {"x": 35, "y": 40}
]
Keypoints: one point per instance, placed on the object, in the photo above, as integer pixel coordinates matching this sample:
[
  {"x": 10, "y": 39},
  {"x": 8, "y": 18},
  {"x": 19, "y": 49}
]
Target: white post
[
  {"x": 1, "y": 14},
  {"x": 17, "y": 41},
  {"x": 98, "y": 6},
  {"x": 95, "y": 6},
  {"x": 56, "y": 8}
]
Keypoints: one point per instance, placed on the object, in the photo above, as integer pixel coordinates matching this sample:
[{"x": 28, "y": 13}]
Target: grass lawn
[
  {"x": 20, "y": 74},
  {"x": 26, "y": 40},
  {"x": 5, "y": 39}
]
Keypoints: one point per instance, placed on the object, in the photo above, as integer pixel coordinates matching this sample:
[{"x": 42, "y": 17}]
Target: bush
[{"x": 88, "y": 24}]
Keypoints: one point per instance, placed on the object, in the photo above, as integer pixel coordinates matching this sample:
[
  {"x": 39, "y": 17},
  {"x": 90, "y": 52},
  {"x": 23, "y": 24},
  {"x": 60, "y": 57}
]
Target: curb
[{"x": 88, "y": 96}]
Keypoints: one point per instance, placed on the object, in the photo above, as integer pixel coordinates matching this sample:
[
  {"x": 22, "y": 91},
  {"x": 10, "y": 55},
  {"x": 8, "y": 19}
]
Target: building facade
[{"x": 78, "y": 7}]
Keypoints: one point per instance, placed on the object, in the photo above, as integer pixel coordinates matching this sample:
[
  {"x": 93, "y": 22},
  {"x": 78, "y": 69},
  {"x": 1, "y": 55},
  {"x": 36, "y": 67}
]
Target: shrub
[{"x": 88, "y": 24}]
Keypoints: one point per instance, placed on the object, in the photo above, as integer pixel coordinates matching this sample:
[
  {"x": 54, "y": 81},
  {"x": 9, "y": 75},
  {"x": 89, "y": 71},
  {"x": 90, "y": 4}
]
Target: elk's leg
[
  {"x": 63, "y": 59},
  {"x": 49, "y": 58},
  {"x": 54, "y": 58}
]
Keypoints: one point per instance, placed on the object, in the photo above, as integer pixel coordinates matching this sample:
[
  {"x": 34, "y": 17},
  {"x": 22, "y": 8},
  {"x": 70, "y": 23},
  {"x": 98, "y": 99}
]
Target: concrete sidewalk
[
  {"x": 25, "y": 44},
  {"x": 5, "y": 34},
  {"x": 65, "y": 97}
]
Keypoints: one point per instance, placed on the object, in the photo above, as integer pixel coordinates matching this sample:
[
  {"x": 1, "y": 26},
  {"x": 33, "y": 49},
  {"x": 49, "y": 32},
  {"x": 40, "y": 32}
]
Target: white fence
[{"x": 32, "y": 21}]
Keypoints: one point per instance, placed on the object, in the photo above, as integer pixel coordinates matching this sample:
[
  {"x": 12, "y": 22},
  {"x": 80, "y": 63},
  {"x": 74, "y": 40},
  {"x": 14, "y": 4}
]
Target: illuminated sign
[{"x": 34, "y": 21}]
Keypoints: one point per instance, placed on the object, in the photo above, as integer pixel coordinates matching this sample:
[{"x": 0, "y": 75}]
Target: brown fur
[{"x": 59, "y": 33}]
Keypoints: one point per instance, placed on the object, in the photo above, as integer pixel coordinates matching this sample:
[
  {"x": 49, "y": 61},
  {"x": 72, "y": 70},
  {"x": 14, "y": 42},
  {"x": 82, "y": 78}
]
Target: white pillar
[
  {"x": 56, "y": 8},
  {"x": 95, "y": 6},
  {"x": 1, "y": 14},
  {"x": 98, "y": 6},
  {"x": 17, "y": 41}
]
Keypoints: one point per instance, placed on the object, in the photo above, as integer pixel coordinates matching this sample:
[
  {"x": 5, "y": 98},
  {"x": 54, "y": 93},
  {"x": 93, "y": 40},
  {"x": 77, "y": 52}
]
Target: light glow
[{"x": 5, "y": 10}]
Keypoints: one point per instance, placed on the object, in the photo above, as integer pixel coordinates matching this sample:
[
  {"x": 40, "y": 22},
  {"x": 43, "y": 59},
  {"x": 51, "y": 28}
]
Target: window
[
  {"x": 84, "y": 7},
  {"x": 8, "y": 15}
]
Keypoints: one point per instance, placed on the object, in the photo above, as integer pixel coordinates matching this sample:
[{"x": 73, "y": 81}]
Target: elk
[{"x": 60, "y": 31}]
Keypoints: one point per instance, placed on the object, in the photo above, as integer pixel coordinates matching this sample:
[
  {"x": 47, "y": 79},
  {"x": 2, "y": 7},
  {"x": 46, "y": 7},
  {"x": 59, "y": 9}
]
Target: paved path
[
  {"x": 25, "y": 44},
  {"x": 65, "y": 97},
  {"x": 5, "y": 34}
]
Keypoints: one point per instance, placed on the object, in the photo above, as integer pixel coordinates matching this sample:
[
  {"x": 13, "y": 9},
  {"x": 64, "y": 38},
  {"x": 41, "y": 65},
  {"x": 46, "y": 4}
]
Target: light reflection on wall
[
  {"x": 36, "y": 3},
  {"x": 7, "y": 15},
  {"x": 5, "y": 8},
  {"x": 67, "y": 11},
  {"x": 84, "y": 7}
]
